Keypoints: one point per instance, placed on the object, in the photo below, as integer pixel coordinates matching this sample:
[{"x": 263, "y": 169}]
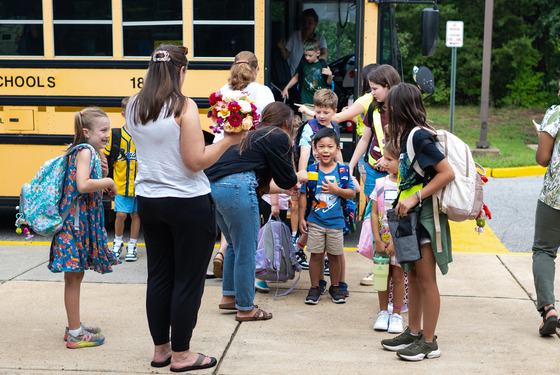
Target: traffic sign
[{"x": 454, "y": 34}]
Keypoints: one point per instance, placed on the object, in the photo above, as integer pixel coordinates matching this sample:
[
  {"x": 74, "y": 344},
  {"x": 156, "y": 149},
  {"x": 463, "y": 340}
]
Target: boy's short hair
[
  {"x": 325, "y": 98},
  {"x": 326, "y": 133},
  {"x": 391, "y": 149},
  {"x": 311, "y": 44},
  {"x": 124, "y": 103}
]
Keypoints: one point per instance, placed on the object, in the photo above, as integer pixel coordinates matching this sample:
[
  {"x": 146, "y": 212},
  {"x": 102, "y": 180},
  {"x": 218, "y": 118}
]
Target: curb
[{"x": 534, "y": 170}]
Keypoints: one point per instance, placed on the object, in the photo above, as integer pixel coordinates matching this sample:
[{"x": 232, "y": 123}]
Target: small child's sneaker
[
  {"x": 382, "y": 322},
  {"x": 131, "y": 253},
  {"x": 94, "y": 330},
  {"x": 344, "y": 288},
  {"x": 367, "y": 280},
  {"x": 336, "y": 295},
  {"x": 84, "y": 339},
  {"x": 323, "y": 286},
  {"x": 395, "y": 324},
  {"x": 313, "y": 296},
  {"x": 301, "y": 258},
  {"x": 117, "y": 248},
  {"x": 327, "y": 269},
  {"x": 262, "y": 286}
]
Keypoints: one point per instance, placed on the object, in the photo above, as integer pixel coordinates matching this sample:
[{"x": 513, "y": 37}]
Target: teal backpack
[{"x": 39, "y": 200}]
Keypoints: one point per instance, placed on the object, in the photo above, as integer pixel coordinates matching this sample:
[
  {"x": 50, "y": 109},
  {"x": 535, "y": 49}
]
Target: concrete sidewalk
[{"x": 488, "y": 323}]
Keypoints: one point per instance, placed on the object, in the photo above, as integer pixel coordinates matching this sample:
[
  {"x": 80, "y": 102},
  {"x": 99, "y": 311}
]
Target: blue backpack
[
  {"x": 39, "y": 200},
  {"x": 348, "y": 205}
]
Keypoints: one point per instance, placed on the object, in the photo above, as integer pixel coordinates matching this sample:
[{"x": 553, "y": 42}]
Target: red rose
[{"x": 235, "y": 120}]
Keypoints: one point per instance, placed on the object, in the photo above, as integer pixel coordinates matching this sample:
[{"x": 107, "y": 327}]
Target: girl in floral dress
[{"x": 82, "y": 242}]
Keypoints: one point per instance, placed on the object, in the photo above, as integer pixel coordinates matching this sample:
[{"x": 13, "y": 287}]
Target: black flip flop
[
  {"x": 167, "y": 362},
  {"x": 197, "y": 365}
]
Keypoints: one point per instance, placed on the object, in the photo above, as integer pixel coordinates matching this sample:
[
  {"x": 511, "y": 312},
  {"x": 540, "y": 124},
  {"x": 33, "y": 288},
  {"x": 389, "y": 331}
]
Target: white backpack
[{"x": 462, "y": 198}]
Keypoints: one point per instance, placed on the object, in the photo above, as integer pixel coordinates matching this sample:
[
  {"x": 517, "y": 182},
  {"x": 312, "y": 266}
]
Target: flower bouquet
[{"x": 232, "y": 112}]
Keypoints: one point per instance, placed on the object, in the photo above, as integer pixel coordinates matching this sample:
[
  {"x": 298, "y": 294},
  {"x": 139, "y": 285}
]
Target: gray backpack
[{"x": 275, "y": 257}]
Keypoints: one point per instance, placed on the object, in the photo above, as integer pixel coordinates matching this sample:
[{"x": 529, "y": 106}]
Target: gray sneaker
[
  {"x": 402, "y": 341},
  {"x": 420, "y": 349},
  {"x": 94, "y": 330},
  {"x": 84, "y": 340}
]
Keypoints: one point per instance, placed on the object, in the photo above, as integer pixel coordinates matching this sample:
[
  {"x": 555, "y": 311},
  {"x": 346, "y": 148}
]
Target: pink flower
[{"x": 235, "y": 120}]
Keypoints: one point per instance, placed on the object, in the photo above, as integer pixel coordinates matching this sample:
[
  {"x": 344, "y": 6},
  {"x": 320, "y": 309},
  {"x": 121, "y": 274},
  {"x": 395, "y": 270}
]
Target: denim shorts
[{"x": 125, "y": 204}]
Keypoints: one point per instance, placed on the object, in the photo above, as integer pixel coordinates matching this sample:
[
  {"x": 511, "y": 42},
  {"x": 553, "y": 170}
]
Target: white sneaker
[
  {"x": 367, "y": 280},
  {"x": 117, "y": 248},
  {"x": 382, "y": 322},
  {"x": 395, "y": 324},
  {"x": 131, "y": 253}
]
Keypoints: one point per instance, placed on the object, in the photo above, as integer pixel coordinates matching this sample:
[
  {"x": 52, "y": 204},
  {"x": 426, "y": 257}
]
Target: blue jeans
[{"x": 238, "y": 217}]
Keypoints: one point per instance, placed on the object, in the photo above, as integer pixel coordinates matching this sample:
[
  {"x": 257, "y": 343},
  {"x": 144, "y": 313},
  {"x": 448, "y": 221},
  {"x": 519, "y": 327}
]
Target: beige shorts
[{"x": 320, "y": 239}]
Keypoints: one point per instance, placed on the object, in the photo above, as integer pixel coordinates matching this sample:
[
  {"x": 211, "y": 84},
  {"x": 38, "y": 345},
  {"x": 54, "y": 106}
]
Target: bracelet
[
  {"x": 282, "y": 191},
  {"x": 419, "y": 196}
]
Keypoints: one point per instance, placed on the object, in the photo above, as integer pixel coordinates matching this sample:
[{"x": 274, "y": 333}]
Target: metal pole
[
  {"x": 485, "y": 89},
  {"x": 452, "y": 96}
]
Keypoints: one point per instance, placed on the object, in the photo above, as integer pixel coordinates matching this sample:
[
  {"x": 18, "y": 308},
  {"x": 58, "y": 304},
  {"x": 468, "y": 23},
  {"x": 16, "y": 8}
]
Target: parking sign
[{"x": 454, "y": 34}]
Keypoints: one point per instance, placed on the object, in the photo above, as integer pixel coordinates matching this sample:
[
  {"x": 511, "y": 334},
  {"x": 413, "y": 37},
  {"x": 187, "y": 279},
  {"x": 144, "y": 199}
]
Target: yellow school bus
[{"x": 58, "y": 56}]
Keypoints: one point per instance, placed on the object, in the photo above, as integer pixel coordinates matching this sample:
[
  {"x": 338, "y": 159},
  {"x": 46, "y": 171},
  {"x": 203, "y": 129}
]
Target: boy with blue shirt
[{"x": 325, "y": 222}]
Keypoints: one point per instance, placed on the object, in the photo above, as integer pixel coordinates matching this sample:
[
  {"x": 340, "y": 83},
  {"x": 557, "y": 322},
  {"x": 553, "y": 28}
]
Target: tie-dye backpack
[{"x": 39, "y": 200}]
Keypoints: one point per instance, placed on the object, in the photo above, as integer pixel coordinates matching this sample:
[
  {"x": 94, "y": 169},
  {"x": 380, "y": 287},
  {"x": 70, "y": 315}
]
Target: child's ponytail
[
  {"x": 242, "y": 71},
  {"x": 85, "y": 119}
]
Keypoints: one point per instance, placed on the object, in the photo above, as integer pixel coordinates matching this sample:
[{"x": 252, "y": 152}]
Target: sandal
[
  {"x": 197, "y": 365},
  {"x": 259, "y": 315},
  {"x": 549, "y": 324},
  {"x": 218, "y": 265}
]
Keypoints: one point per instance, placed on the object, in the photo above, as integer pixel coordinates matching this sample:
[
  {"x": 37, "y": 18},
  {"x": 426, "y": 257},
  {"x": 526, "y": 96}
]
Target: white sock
[
  {"x": 75, "y": 332},
  {"x": 132, "y": 241},
  {"x": 118, "y": 239}
]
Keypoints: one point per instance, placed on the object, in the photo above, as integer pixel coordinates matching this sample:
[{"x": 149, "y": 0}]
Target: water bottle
[{"x": 380, "y": 272}]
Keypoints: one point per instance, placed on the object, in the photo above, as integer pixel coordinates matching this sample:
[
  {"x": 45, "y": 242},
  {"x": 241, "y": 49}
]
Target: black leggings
[{"x": 180, "y": 234}]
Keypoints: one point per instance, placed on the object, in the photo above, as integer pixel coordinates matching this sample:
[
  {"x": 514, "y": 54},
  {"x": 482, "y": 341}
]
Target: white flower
[
  {"x": 245, "y": 106},
  {"x": 232, "y": 96}
]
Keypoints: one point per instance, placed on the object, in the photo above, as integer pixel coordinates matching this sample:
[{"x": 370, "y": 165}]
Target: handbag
[{"x": 404, "y": 232}]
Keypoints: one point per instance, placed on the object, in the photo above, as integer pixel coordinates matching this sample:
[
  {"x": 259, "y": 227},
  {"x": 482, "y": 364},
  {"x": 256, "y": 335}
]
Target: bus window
[
  {"x": 147, "y": 23},
  {"x": 223, "y": 33},
  {"x": 82, "y": 28},
  {"x": 21, "y": 27}
]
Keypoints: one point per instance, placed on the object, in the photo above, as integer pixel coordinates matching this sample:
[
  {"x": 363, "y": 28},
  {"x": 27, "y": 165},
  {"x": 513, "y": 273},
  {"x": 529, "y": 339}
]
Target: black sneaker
[
  {"x": 336, "y": 295},
  {"x": 301, "y": 258},
  {"x": 344, "y": 289},
  {"x": 313, "y": 296},
  {"x": 327, "y": 269},
  {"x": 323, "y": 286}
]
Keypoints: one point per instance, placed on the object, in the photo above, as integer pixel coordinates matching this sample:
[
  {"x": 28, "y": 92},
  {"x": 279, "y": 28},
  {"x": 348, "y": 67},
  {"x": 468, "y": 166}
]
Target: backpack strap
[
  {"x": 116, "y": 135},
  {"x": 310, "y": 188},
  {"x": 373, "y": 117}
]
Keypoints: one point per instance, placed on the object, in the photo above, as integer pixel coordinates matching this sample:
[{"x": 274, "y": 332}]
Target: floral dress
[{"x": 81, "y": 244}]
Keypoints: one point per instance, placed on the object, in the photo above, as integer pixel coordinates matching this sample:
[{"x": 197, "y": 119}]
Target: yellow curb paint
[
  {"x": 465, "y": 240},
  {"x": 534, "y": 170}
]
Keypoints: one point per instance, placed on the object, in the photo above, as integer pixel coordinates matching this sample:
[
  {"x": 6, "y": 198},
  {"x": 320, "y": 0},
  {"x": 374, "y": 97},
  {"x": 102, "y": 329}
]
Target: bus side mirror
[
  {"x": 424, "y": 79},
  {"x": 430, "y": 26}
]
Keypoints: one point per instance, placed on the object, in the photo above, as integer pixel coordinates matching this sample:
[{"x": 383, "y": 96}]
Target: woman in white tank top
[{"x": 174, "y": 205}]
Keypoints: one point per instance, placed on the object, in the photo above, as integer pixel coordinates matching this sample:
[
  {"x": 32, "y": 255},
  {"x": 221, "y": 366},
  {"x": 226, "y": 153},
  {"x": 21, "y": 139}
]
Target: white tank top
[{"x": 161, "y": 171}]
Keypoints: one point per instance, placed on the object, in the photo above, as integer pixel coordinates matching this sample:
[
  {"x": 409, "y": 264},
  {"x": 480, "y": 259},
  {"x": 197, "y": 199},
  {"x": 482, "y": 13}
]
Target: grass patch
[{"x": 509, "y": 129}]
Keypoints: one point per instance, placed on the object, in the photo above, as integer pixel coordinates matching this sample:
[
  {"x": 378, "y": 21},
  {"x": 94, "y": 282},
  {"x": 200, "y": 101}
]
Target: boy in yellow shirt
[{"x": 125, "y": 168}]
